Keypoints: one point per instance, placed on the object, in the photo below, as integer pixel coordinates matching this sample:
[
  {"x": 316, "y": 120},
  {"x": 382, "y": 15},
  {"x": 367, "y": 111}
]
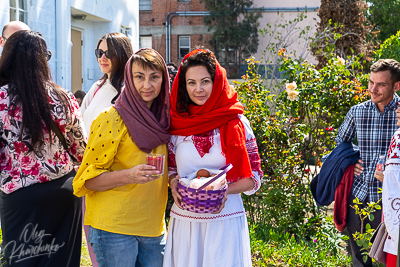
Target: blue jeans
[{"x": 120, "y": 250}]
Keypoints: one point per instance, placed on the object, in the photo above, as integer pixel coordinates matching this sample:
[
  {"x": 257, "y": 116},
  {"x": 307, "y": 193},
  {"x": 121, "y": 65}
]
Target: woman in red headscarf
[{"x": 208, "y": 131}]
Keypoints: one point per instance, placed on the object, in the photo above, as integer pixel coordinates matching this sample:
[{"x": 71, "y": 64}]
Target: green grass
[
  {"x": 85, "y": 258},
  {"x": 283, "y": 249}
]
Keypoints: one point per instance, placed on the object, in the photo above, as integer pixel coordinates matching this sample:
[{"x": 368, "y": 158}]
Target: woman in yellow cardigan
[{"x": 125, "y": 199}]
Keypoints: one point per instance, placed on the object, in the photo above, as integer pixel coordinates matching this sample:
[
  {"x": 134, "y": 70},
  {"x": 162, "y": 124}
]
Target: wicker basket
[{"x": 203, "y": 201}]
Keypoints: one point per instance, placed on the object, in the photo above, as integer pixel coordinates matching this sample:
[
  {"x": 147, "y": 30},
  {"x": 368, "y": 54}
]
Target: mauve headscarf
[{"x": 147, "y": 128}]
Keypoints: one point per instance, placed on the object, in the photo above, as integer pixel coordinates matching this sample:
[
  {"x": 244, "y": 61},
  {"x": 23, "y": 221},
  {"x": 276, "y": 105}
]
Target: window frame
[
  {"x": 18, "y": 9},
  {"x": 144, "y": 5},
  {"x": 145, "y": 36},
  {"x": 183, "y": 47},
  {"x": 126, "y": 30}
]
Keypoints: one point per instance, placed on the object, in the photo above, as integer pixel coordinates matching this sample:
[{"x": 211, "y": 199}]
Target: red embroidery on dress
[
  {"x": 171, "y": 158},
  {"x": 254, "y": 157},
  {"x": 208, "y": 218},
  {"x": 392, "y": 146},
  {"x": 394, "y": 156},
  {"x": 203, "y": 144}
]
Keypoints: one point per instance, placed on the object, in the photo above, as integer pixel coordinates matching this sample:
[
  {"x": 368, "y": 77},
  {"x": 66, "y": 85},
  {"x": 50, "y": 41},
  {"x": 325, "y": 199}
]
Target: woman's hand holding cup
[{"x": 143, "y": 173}]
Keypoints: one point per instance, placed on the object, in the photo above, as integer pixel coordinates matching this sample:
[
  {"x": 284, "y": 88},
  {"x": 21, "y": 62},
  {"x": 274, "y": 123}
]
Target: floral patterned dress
[
  {"x": 40, "y": 216},
  {"x": 19, "y": 166}
]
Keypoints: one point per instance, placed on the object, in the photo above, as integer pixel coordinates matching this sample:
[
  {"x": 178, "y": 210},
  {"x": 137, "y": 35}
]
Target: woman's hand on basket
[
  {"x": 173, "y": 183},
  {"x": 222, "y": 203},
  {"x": 141, "y": 174}
]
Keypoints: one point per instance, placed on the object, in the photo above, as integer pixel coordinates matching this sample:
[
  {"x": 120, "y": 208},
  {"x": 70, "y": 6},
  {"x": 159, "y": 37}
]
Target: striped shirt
[{"x": 373, "y": 130}]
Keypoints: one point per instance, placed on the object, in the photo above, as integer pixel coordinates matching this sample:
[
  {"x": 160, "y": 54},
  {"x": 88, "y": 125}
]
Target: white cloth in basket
[{"x": 195, "y": 182}]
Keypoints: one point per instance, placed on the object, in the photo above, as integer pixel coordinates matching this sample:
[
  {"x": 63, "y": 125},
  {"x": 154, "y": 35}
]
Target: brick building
[{"x": 185, "y": 21}]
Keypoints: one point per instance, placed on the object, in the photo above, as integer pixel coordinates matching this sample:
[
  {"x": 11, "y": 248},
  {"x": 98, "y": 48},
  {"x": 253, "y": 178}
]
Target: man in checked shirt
[{"x": 373, "y": 123}]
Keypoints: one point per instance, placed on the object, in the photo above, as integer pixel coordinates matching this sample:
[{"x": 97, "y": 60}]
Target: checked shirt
[{"x": 374, "y": 131}]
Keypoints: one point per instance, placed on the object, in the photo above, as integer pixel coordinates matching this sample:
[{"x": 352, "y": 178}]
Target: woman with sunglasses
[
  {"x": 41, "y": 139},
  {"x": 125, "y": 197},
  {"x": 112, "y": 52}
]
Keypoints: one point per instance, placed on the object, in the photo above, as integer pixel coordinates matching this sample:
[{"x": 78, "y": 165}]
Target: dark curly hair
[{"x": 204, "y": 58}]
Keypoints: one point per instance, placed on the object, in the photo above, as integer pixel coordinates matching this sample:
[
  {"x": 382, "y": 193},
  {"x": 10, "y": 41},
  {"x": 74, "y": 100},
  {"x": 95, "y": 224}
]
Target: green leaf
[
  {"x": 365, "y": 258},
  {"x": 371, "y": 217}
]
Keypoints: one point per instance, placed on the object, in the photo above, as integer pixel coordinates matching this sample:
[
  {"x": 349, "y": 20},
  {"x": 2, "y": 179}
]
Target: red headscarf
[{"x": 220, "y": 111}]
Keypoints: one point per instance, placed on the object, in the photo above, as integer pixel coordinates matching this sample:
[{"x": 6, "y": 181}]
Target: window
[
  {"x": 231, "y": 56},
  {"x": 184, "y": 0},
  {"x": 184, "y": 46},
  {"x": 126, "y": 30},
  {"x": 145, "y": 42},
  {"x": 18, "y": 10},
  {"x": 144, "y": 4}
]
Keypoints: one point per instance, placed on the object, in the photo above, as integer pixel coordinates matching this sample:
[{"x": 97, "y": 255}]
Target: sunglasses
[
  {"x": 99, "y": 53},
  {"x": 48, "y": 56},
  {"x": 4, "y": 38}
]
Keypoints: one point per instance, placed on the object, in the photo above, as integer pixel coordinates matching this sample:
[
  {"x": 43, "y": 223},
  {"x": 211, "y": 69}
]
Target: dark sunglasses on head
[
  {"x": 99, "y": 53},
  {"x": 48, "y": 56},
  {"x": 4, "y": 38}
]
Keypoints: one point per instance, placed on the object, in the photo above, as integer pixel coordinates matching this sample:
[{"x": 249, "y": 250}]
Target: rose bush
[{"x": 294, "y": 129}]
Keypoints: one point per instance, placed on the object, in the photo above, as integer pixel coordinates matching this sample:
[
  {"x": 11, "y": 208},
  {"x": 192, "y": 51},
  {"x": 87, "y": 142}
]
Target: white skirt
[{"x": 208, "y": 244}]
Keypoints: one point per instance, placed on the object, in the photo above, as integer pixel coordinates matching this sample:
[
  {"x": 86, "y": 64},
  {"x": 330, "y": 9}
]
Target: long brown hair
[
  {"x": 23, "y": 66},
  {"x": 119, "y": 50}
]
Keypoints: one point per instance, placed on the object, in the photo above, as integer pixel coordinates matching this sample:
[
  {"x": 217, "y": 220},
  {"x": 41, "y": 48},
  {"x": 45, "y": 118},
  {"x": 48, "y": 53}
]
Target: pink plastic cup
[{"x": 156, "y": 160}]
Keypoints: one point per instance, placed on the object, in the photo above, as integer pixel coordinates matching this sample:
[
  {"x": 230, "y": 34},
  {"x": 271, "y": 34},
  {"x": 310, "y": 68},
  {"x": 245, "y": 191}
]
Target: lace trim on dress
[{"x": 209, "y": 217}]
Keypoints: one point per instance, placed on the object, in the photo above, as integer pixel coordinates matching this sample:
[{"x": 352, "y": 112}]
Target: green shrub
[
  {"x": 389, "y": 48},
  {"x": 298, "y": 133}
]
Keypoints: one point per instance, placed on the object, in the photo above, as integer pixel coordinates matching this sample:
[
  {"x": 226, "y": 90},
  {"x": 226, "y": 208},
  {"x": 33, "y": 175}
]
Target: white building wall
[
  {"x": 103, "y": 18},
  {"x": 275, "y": 17},
  {"x": 53, "y": 19}
]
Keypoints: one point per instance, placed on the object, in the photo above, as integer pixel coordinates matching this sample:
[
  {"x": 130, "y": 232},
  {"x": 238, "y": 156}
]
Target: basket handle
[{"x": 225, "y": 170}]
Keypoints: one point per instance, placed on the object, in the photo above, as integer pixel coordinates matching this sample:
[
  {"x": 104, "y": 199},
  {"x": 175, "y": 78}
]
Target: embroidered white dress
[
  {"x": 205, "y": 239},
  {"x": 95, "y": 102},
  {"x": 391, "y": 194}
]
